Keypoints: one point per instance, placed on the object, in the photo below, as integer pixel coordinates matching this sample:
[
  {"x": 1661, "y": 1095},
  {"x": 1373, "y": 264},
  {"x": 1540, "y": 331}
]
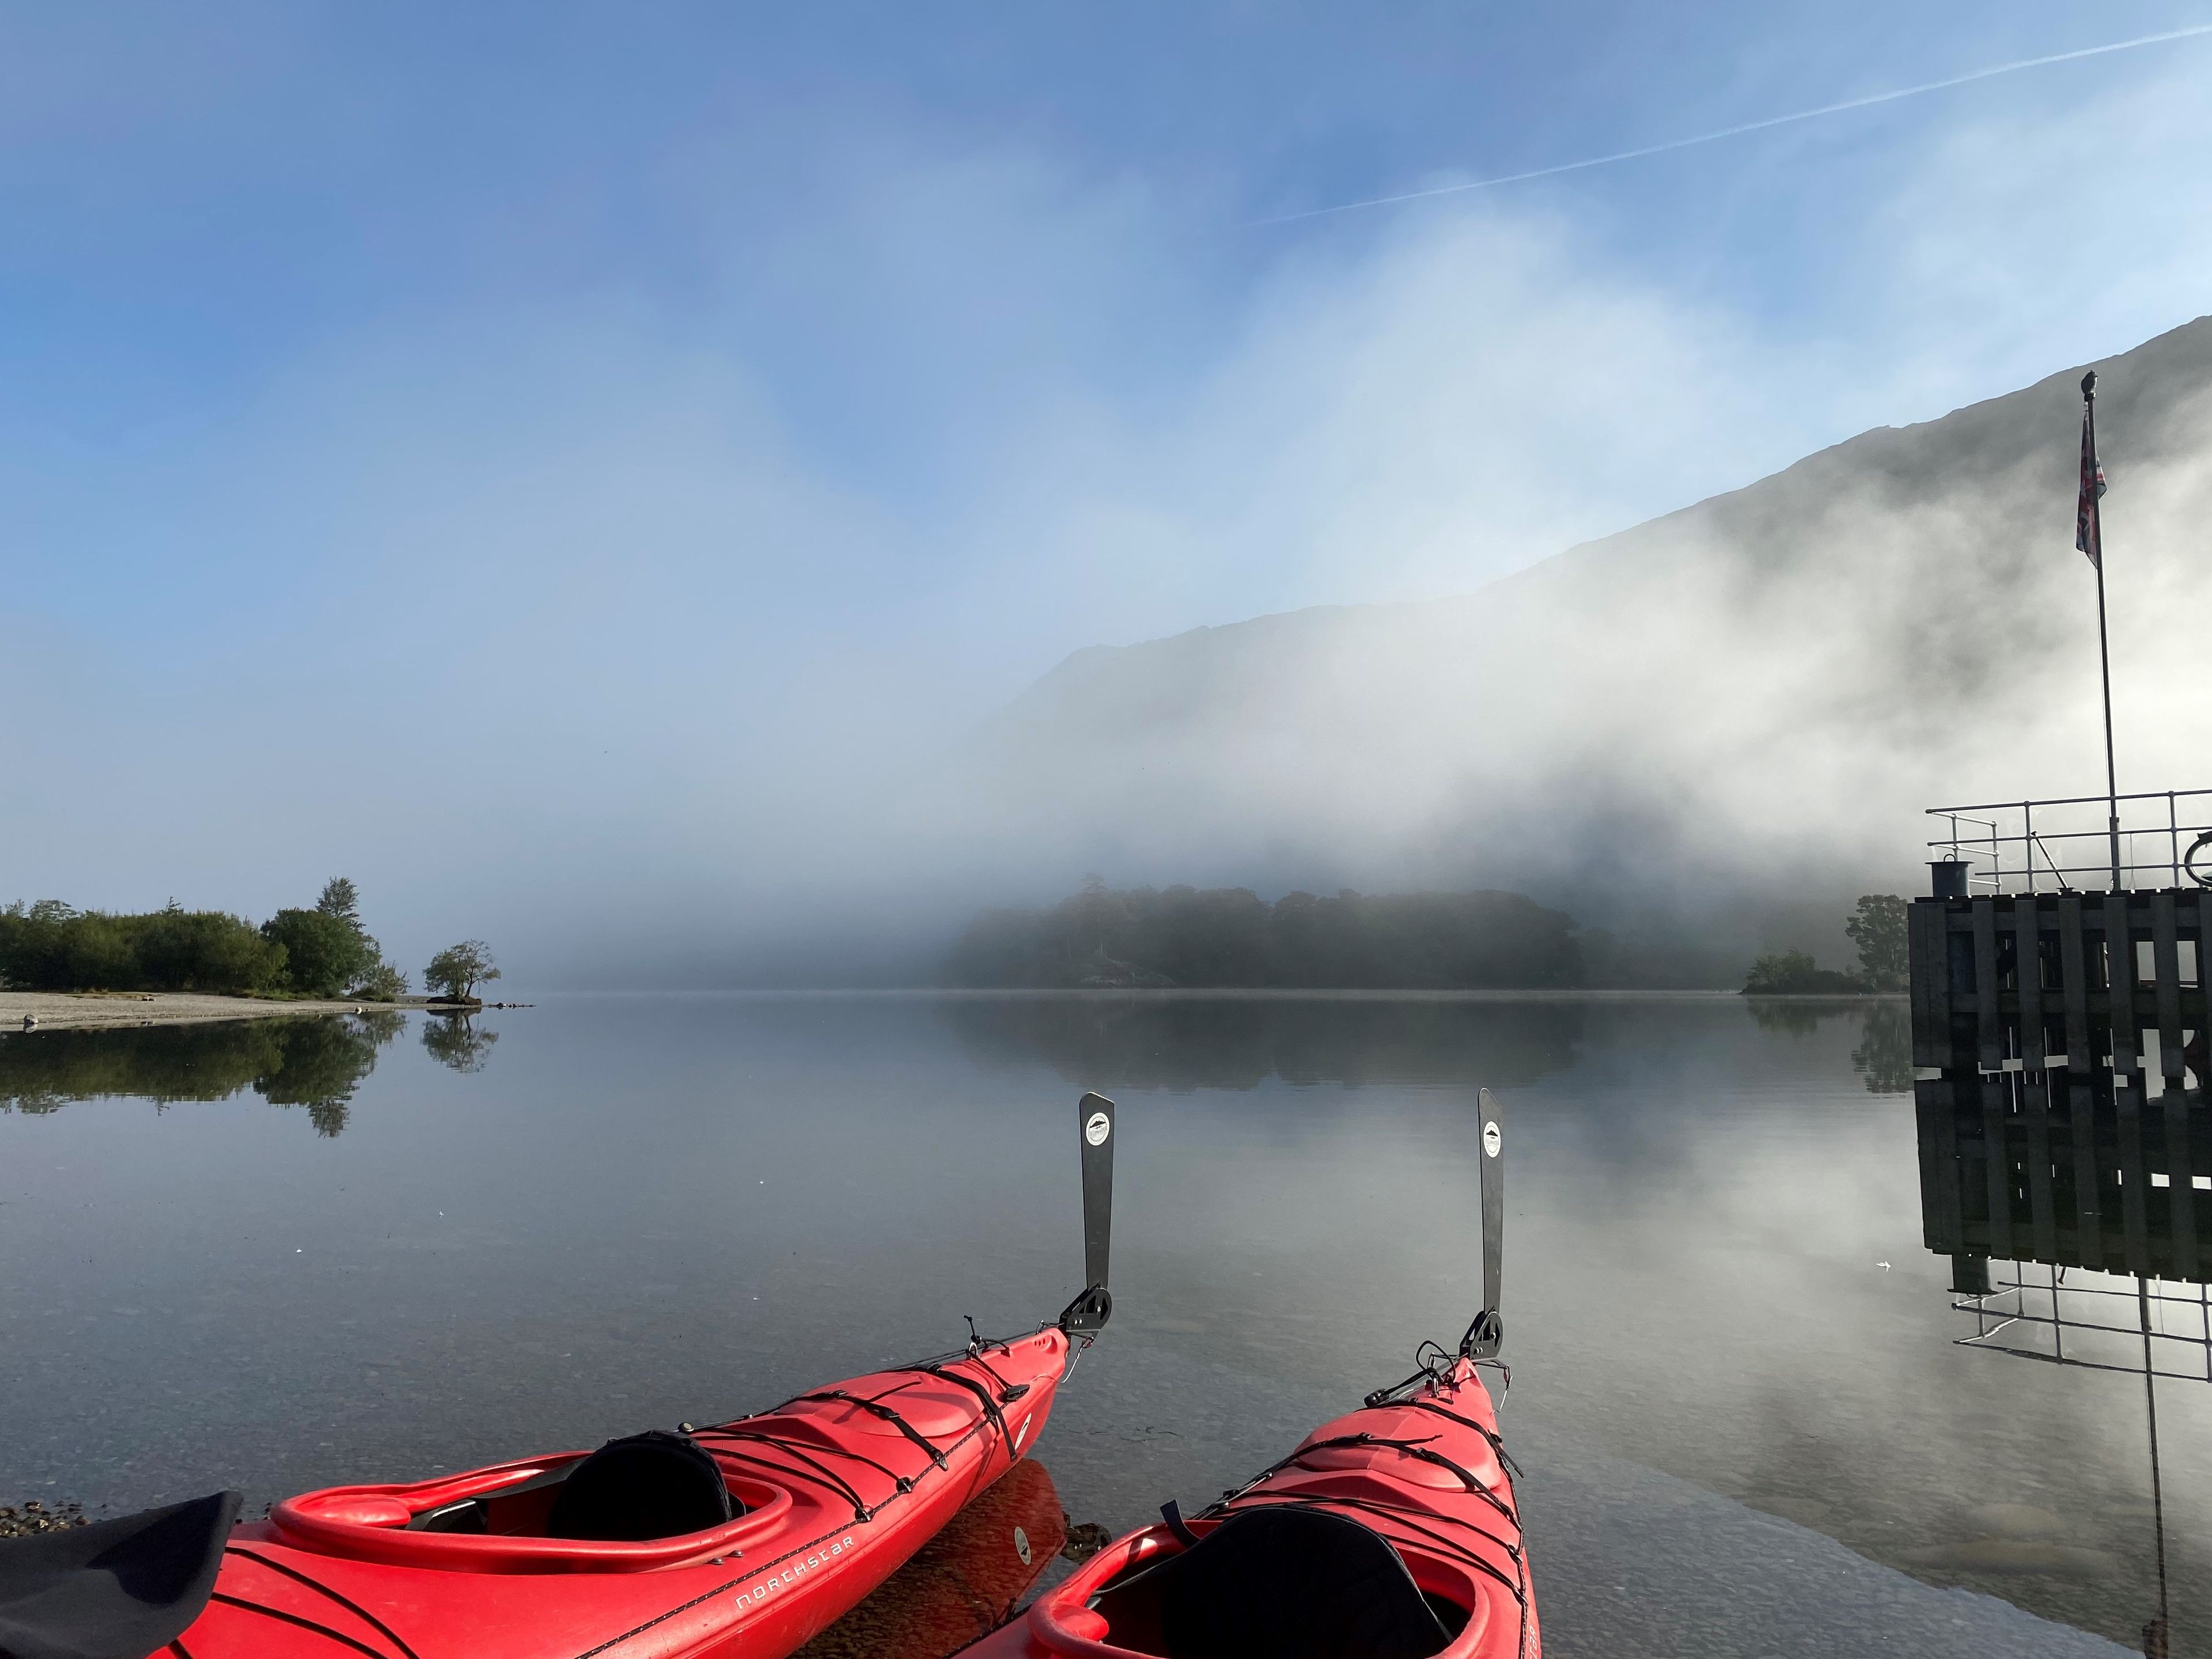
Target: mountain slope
[{"x": 1732, "y": 714}]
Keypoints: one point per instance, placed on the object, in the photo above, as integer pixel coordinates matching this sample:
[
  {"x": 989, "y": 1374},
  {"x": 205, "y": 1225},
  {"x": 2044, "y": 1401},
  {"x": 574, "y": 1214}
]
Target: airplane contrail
[{"x": 1750, "y": 126}]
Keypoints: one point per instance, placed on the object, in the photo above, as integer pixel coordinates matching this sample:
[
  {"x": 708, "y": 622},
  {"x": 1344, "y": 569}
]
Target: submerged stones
[{"x": 29, "y": 1519}]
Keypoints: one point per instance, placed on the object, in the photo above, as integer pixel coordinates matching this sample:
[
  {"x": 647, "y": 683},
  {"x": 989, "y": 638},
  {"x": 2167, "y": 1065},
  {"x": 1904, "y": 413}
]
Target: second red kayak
[{"x": 1391, "y": 1533}]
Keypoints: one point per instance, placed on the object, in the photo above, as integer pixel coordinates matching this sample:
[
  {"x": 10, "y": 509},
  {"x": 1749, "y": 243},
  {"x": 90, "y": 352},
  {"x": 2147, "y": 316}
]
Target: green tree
[
  {"x": 382, "y": 982},
  {"x": 373, "y": 979},
  {"x": 1877, "y": 929},
  {"x": 341, "y": 899},
  {"x": 323, "y": 953},
  {"x": 458, "y": 969},
  {"x": 180, "y": 950}
]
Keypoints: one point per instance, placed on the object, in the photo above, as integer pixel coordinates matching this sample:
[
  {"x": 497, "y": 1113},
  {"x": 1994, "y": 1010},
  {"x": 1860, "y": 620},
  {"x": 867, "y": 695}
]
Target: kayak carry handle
[
  {"x": 1094, "y": 1117},
  {"x": 1487, "y": 1332}
]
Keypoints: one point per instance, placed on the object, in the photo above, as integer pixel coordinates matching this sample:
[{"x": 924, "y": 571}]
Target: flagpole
[{"x": 2104, "y": 646}]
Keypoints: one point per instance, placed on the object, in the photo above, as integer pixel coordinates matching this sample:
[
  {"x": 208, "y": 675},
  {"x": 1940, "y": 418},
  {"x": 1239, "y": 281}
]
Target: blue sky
[{"x": 622, "y": 441}]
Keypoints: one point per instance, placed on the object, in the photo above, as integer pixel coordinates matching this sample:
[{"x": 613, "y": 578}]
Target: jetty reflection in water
[
  {"x": 2038, "y": 1181},
  {"x": 1719, "y": 1310}
]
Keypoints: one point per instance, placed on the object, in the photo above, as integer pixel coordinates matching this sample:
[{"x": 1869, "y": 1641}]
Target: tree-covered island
[
  {"x": 1877, "y": 928},
  {"x": 1225, "y": 937},
  {"x": 1162, "y": 937}
]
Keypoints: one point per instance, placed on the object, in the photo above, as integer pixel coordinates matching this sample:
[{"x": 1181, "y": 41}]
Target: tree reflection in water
[
  {"x": 1182, "y": 1040},
  {"x": 451, "y": 1040},
  {"x": 317, "y": 1063},
  {"x": 1883, "y": 1056}
]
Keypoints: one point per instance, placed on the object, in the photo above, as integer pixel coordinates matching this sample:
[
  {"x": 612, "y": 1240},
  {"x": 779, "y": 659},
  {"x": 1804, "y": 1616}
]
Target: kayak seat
[
  {"x": 1278, "y": 1584},
  {"x": 654, "y": 1485},
  {"x": 119, "y": 1588}
]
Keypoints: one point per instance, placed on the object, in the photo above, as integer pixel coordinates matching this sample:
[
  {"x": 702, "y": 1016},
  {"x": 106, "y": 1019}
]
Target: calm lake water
[{"x": 283, "y": 1256}]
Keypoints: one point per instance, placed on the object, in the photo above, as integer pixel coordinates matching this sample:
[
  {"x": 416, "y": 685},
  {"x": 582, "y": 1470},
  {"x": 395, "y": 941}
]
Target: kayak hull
[{"x": 839, "y": 1487}]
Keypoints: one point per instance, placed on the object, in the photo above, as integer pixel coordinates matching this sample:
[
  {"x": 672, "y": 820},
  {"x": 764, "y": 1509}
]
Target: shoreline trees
[{"x": 323, "y": 952}]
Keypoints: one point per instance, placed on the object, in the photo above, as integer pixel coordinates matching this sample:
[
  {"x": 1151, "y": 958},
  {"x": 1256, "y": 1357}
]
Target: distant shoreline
[
  {"x": 66, "y": 1011},
  {"x": 1183, "y": 992}
]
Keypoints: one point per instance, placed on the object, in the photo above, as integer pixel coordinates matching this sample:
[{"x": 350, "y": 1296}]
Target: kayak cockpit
[
  {"x": 1283, "y": 1580},
  {"x": 651, "y": 1501},
  {"x": 1289, "y": 1583},
  {"x": 649, "y": 1486}
]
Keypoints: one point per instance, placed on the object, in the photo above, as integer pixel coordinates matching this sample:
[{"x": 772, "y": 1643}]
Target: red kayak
[
  {"x": 737, "y": 1540},
  {"x": 1392, "y": 1533}
]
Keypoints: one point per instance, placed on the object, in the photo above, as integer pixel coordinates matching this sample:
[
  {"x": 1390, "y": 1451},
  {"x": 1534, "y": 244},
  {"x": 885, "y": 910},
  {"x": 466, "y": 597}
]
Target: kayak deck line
[{"x": 873, "y": 1404}]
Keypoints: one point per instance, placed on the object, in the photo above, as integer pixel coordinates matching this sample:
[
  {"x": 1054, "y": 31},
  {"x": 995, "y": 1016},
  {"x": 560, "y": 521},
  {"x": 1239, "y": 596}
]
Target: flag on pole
[{"x": 2086, "y": 536}]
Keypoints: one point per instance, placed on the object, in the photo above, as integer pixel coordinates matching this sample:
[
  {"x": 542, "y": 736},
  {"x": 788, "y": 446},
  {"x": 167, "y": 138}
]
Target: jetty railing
[
  {"x": 2099, "y": 1321},
  {"x": 2064, "y": 843}
]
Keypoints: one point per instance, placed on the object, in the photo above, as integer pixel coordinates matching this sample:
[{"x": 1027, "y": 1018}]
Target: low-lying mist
[
  {"x": 1713, "y": 731},
  {"x": 763, "y": 626}
]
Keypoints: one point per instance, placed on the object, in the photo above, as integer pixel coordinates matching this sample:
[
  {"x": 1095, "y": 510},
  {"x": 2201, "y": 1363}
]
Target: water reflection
[
  {"x": 451, "y": 1040},
  {"x": 964, "y": 1582},
  {"x": 1184, "y": 1042},
  {"x": 2023, "y": 1167},
  {"x": 653, "y": 1209},
  {"x": 1883, "y": 1057},
  {"x": 317, "y": 1063}
]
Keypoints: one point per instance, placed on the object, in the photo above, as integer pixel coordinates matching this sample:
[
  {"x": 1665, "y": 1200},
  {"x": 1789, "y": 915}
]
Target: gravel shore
[{"x": 58, "y": 1010}]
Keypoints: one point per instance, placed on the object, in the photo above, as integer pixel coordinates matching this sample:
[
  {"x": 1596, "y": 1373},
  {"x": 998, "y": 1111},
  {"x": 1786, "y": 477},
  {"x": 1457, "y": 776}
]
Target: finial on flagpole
[{"x": 2089, "y": 384}]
